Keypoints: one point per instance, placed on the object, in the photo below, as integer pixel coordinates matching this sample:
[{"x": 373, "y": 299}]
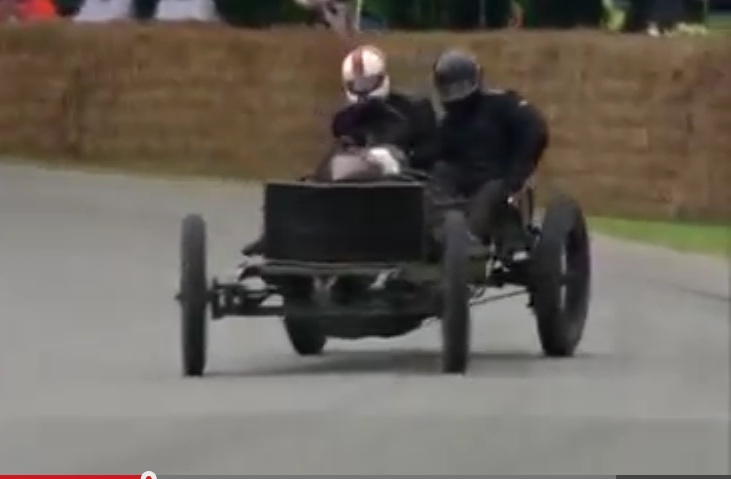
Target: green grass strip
[{"x": 710, "y": 239}]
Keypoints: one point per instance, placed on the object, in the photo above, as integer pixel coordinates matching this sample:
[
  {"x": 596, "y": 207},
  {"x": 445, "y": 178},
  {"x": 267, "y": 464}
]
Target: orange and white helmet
[{"x": 365, "y": 74}]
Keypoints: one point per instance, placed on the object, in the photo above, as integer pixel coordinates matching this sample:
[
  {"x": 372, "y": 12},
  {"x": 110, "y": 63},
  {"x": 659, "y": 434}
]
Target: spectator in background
[
  {"x": 104, "y": 11},
  {"x": 665, "y": 16},
  {"x": 339, "y": 15},
  {"x": 27, "y": 10},
  {"x": 660, "y": 17},
  {"x": 33, "y": 10},
  {"x": 7, "y": 11},
  {"x": 517, "y": 15},
  {"x": 186, "y": 10}
]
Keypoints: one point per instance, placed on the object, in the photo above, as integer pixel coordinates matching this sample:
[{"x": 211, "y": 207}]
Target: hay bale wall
[{"x": 641, "y": 126}]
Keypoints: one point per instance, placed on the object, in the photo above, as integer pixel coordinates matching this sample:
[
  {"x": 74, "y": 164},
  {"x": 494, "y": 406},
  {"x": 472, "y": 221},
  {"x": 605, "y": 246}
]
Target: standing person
[
  {"x": 32, "y": 10},
  {"x": 665, "y": 16},
  {"x": 27, "y": 10},
  {"x": 342, "y": 16},
  {"x": 104, "y": 11},
  {"x": 185, "y": 10}
]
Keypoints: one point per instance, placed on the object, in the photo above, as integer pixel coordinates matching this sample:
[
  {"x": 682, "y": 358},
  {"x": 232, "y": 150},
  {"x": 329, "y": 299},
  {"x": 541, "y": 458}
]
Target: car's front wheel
[
  {"x": 455, "y": 317},
  {"x": 561, "y": 277},
  {"x": 193, "y": 295}
]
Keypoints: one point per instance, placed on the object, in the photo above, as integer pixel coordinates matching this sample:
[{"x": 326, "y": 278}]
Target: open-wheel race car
[{"x": 377, "y": 255}]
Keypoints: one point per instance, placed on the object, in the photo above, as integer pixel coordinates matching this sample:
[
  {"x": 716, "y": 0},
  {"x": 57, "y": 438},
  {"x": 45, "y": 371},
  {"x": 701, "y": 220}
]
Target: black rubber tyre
[
  {"x": 193, "y": 296},
  {"x": 561, "y": 278},
  {"x": 305, "y": 337},
  {"x": 455, "y": 301}
]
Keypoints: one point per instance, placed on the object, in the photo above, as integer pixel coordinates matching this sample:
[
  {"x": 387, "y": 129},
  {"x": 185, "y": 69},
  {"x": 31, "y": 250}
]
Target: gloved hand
[
  {"x": 512, "y": 185},
  {"x": 385, "y": 160}
]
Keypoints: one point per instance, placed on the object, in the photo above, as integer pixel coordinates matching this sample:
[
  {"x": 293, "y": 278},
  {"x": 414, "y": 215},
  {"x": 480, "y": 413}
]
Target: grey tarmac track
[{"x": 90, "y": 379}]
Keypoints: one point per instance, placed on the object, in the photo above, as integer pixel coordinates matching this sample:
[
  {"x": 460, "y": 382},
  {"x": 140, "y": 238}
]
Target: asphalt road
[{"x": 90, "y": 381}]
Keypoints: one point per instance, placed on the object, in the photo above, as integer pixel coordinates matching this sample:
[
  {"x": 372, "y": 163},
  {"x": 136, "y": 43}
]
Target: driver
[
  {"x": 488, "y": 144},
  {"x": 375, "y": 115}
]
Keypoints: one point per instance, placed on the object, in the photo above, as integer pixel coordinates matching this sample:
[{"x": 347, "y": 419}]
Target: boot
[{"x": 514, "y": 240}]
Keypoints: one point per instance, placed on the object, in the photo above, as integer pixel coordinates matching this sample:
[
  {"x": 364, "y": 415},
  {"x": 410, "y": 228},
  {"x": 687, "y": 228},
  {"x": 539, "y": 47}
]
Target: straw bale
[{"x": 640, "y": 125}]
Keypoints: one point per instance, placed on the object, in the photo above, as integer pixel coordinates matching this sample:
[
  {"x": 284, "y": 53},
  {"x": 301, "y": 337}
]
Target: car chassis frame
[{"x": 394, "y": 296}]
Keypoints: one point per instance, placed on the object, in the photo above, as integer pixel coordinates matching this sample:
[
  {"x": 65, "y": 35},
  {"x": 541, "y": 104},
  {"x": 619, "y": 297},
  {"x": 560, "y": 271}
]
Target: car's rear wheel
[
  {"x": 306, "y": 336},
  {"x": 193, "y": 296},
  {"x": 455, "y": 317},
  {"x": 561, "y": 278}
]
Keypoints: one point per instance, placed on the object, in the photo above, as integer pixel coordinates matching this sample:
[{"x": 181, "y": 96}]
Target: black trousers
[{"x": 488, "y": 210}]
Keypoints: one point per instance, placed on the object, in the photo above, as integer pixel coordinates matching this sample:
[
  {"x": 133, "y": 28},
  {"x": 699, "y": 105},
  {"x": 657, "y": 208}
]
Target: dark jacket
[
  {"x": 495, "y": 135},
  {"x": 405, "y": 121}
]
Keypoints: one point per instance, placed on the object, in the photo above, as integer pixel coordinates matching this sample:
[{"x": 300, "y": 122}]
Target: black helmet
[{"x": 456, "y": 76}]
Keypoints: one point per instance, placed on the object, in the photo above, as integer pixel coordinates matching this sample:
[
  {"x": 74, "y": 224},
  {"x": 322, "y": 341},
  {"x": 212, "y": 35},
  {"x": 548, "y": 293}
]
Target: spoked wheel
[
  {"x": 193, "y": 295},
  {"x": 306, "y": 337},
  {"x": 456, "y": 294},
  {"x": 561, "y": 278}
]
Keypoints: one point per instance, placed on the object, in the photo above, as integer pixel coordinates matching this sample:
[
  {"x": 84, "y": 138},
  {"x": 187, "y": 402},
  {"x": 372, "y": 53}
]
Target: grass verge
[
  {"x": 709, "y": 239},
  {"x": 719, "y": 23}
]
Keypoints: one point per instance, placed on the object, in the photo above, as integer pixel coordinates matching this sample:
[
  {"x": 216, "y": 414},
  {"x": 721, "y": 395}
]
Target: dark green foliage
[
  {"x": 565, "y": 13},
  {"x": 260, "y": 13},
  {"x": 472, "y": 14}
]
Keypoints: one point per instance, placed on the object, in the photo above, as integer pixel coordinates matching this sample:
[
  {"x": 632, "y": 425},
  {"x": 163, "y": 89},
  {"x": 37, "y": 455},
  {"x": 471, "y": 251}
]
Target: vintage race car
[{"x": 372, "y": 252}]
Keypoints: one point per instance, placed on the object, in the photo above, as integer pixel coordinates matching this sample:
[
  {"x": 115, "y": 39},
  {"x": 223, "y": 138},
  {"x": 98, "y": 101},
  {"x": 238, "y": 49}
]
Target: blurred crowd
[
  {"x": 656, "y": 17},
  {"x": 339, "y": 14},
  {"x": 104, "y": 10},
  {"x": 27, "y": 10}
]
